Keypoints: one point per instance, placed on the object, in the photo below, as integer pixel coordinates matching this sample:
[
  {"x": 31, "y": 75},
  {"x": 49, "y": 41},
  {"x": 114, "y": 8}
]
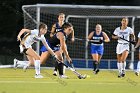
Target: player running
[
  {"x": 58, "y": 45},
  {"x": 138, "y": 65},
  {"x": 122, "y": 48},
  {"x": 58, "y": 27},
  {"x": 97, "y": 47},
  {"x": 26, "y": 46}
]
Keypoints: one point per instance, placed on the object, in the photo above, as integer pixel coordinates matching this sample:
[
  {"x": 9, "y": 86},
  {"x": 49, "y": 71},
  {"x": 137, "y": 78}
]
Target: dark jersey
[
  {"x": 54, "y": 41},
  {"x": 97, "y": 38}
]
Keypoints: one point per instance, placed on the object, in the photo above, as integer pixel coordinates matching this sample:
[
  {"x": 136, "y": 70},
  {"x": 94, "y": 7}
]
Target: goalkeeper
[{"x": 97, "y": 46}]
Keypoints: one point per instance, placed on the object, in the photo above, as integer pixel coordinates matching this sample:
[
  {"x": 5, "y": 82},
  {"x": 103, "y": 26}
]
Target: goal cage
[{"x": 84, "y": 18}]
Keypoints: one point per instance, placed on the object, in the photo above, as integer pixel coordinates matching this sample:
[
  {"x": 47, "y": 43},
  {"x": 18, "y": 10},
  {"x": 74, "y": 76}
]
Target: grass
[{"x": 17, "y": 81}]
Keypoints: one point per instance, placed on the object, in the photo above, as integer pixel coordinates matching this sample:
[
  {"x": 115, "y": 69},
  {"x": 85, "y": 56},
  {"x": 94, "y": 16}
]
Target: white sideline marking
[
  {"x": 6, "y": 66},
  {"x": 25, "y": 82}
]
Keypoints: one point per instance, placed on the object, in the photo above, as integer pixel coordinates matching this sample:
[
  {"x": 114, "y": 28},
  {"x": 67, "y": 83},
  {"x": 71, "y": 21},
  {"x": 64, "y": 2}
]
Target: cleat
[
  {"x": 120, "y": 75},
  {"x": 63, "y": 76},
  {"x": 137, "y": 73},
  {"x": 123, "y": 73},
  {"x": 96, "y": 71},
  {"x": 55, "y": 73},
  {"x": 38, "y": 76},
  {"x": 15, "y": 63},
  {"x": 25, "y": 68}
]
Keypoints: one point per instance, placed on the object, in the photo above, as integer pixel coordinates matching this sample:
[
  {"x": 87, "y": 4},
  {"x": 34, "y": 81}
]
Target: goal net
[{"x": 84, "y": 18}]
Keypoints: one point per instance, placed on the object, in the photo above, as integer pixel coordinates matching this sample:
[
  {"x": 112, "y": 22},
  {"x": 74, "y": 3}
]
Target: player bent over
[
  {"x": 26, "y": 46},
  {"x": 58, "y": 43},
  {"x": 97, "y": 46},
  {"x": 122, "y": 48}
]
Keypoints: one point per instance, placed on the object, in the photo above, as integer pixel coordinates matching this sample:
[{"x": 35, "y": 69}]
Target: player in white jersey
[
  {"x": 138, "y": 65},
  {"x": 26, "y": 45},
  {"x": 122, "y": 48}
]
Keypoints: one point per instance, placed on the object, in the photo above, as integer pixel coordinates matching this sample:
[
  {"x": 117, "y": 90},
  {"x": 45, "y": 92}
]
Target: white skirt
[{"x": 121, "y": 48}]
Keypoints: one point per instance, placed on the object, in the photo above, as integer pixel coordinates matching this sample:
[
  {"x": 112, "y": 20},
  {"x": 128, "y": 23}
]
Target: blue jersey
[
  {"x": 53, "y": 42},
  {"x": 97, "y": 46},
  {"x": 58, "y": 28}
]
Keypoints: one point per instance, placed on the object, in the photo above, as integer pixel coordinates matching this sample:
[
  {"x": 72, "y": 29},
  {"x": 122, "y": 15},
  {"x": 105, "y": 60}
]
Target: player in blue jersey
[
  {"x": 97, "y": 46},
  {"x": 58, "y": 44},
  {"x": 57, "y": 27}
]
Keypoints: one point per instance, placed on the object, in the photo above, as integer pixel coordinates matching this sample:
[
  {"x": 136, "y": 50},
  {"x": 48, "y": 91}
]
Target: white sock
[
  {"x": 123, "y": 65},
  {"x": 37, "y": 66},
  {"x": 138, "y": 66},
  {"x": 119, "y": 67},
  {"x": 23, "y": 63}
]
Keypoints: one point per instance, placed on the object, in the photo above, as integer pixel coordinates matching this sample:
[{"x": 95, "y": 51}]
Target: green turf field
[{"x": 17, "y": 81}]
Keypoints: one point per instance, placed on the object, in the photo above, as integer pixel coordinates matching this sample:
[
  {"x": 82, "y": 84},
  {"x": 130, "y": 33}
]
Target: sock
[
  {"x": 60, "y": 68},
  {"x": 37, "y": 66},
  {"x": 22, "y": 63},
  {"x": 138, "y": 66},
  {"x": 119, "y": 67},
  {"x": 123, "y": 65},
  {"x": 56, "y": 66},
  {"x": 94, "y": 66},
  {"x": 97, "y": 65}
]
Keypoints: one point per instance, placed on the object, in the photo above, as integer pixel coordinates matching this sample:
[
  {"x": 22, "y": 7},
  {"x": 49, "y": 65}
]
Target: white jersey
[
  {"x": 124, "y": 34},
  {"x": 33, "y": 37}
]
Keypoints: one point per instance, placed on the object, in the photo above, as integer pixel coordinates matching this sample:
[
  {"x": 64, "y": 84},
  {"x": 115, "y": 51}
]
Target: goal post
[{"x": 84, "y": 18}]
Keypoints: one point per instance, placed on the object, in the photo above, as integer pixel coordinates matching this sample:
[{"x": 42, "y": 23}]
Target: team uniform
[
  {"x": 122, "y": 44},
  {"x": 29, "y": 39},
  {"x": 26, "y": 43},
  {"x": 97, "y": 45},
  {"x": 138, "y": 65},
  {"x": 54, "y": 44}
]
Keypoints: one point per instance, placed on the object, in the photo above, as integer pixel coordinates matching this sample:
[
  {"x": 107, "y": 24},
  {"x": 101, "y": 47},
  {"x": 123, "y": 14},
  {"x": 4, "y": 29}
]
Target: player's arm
[
  {"x": 106, "y": 38},
  {"x": 61, "y": 37},
  {"x": 53, "y": 30},
  {"x": 114, "y": 35},
  {"x": 90, "y": 35},
  {"x": 138, "y": 44},
  {"x": 72, "y": 39},
  {"x": 132, "y": 37},
  {"x": 22, "y": 32}
]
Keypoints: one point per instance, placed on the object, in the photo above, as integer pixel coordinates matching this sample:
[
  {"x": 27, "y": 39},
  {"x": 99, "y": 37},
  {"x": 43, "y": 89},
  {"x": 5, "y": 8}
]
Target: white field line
[{"x": 35, "y": 82}]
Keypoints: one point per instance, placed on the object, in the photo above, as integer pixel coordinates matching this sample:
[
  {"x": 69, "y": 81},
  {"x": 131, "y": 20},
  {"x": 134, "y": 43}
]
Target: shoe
[
  {"x": 55, "y": 73},
  {"x": 120, "y": 75},
  {"x": 38, "y": 76},
  {"x": 137, "y": 73},
  {"x": 63, "y": 76},
  {"x": 25, "y": 68},
  {"x": 96, "y": 71},
  {"x": 123, "y": 73},
  {"x": 15, "y": 63}
]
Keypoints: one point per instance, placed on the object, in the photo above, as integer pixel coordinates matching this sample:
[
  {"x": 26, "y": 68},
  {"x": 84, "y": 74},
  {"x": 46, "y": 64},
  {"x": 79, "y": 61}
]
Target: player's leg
[
  {"x": 60, "y": 65},
  {"x": 123, "y": 60},
  {"x": 30, "y": 52},
  {"x": 138, "y": 66},
  {"x": 44, "y": 57},
  {"x": 95, "y": 62},
  {"x": 119, "y": 65}
]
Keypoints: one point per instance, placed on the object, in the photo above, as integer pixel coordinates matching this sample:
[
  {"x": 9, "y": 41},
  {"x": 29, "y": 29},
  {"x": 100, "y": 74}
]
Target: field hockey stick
[
  {"x": 132, "y": 42},
  {"x": 80, "y": 76},
  {"x": 91, "y": 41}
]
